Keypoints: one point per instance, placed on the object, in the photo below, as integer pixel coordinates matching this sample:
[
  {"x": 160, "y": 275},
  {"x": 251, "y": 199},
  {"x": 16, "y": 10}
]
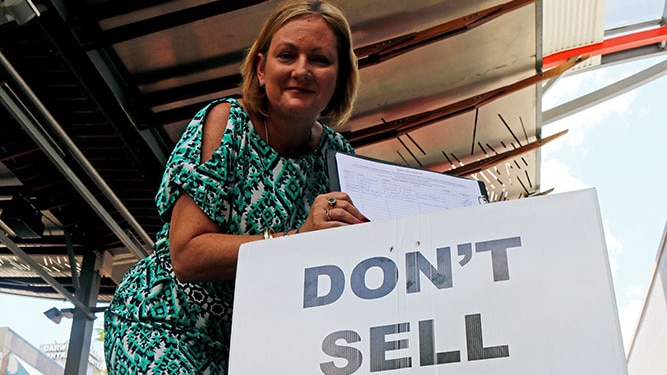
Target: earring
[{"x": 261, "y": 84}]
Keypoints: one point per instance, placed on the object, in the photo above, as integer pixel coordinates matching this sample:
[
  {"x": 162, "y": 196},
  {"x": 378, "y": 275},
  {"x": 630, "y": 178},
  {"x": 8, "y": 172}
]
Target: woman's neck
[{"x": 291, "y": 139}]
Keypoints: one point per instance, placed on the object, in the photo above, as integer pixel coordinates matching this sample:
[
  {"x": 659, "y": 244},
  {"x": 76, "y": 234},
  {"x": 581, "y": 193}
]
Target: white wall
[{"x": 647, "y": 351}]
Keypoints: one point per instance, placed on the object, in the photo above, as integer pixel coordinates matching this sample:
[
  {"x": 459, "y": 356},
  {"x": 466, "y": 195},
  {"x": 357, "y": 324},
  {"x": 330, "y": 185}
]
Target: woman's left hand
[{"x": 332, "y": 210}]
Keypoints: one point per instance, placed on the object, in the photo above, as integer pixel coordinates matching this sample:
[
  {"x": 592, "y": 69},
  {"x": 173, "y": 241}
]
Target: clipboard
[{"x": 381, "y": 189}]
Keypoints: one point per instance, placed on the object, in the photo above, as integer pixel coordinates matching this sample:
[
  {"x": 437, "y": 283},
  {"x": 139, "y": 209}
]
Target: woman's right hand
[{"x": 330, "y": 210}]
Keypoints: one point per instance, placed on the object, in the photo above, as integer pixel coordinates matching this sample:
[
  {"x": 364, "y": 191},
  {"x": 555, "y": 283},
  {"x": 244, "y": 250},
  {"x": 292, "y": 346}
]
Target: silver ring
[
  {"x": 331, "y": 201},
  {"x": 326, "y": 212}
]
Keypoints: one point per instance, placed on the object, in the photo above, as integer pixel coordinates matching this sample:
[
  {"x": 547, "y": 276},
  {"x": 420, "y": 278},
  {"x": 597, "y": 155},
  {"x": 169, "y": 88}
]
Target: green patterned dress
[{"x": 155, "y": 323}]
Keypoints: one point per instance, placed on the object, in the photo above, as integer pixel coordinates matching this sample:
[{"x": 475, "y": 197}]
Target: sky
[
  {"x": 617, "y": 147},
  {"x": 25, "y": 316}
]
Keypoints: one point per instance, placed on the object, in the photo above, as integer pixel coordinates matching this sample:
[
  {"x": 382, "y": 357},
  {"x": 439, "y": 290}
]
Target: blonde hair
[{"x": 339, "y": 108}]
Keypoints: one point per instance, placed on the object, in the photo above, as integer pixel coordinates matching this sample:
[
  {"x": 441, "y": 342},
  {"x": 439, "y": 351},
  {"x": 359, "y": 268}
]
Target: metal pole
[
  {"x": 18, "y": 111},
  {"x": 78, "y": 155},
  {"x": 81, "y": 334},
  {"x": 44, "y": 275}
]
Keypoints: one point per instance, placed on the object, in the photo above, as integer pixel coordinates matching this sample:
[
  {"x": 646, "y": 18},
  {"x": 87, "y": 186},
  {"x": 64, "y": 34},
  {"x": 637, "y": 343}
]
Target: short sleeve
[{"x": 207, "y": 183}]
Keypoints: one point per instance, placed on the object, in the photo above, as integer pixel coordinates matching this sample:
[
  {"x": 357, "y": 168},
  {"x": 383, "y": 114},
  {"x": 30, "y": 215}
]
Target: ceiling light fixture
[{"x": 56, "y": 315}]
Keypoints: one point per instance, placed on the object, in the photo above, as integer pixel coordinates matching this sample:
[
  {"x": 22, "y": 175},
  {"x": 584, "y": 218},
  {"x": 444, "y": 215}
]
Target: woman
[{"x": 244, "y": 170}]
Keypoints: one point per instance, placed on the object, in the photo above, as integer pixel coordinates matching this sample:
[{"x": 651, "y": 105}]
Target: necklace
[
  {"x": 266, "y": 132},
  {"x": 290, "y": 216}
]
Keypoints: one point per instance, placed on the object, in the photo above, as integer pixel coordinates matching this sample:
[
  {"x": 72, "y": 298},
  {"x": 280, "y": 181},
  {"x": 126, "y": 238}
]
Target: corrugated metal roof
[{"x": 573, "y": 23}]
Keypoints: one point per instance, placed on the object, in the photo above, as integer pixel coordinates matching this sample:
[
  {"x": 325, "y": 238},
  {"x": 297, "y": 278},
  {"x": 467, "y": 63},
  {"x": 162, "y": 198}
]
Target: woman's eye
[
  {"x": 321, "y": 60},
  {"x": 284, "y": 56}
]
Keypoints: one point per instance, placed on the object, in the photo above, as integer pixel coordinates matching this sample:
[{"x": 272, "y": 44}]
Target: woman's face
[{"x": 300, "y": 70}]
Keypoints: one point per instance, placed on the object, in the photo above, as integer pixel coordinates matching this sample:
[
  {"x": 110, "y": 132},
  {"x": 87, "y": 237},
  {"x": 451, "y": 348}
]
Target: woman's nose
[{"x": 302, "y": 69}]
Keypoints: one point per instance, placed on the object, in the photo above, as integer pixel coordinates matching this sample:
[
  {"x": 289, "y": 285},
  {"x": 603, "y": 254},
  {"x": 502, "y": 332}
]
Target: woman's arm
[{"x": 200, "y": 252}]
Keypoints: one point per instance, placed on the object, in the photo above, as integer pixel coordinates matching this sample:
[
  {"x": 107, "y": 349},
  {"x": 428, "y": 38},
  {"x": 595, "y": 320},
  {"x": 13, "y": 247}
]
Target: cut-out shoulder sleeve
[
  {"x": 214, "y": 127},
  {"x": 208, "y": 183}
]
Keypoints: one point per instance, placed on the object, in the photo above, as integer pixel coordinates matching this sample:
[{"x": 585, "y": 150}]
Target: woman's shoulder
[
  {"x": 228, "y": 106},
  {"x": 331, "y": 139},
  {"x": 228, "y": 112},
  {"x": 232, "y": 115}
]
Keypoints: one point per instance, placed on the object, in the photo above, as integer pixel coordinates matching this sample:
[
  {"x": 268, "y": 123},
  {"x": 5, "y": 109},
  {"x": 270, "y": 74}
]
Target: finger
[
  {"x": 327, "y": 212},
  {"x": 338, "y": 197},
  {"x": 348, "y": 214},
  {"x": 352, "y": 210},
  {"x": 345, "y": 201}
]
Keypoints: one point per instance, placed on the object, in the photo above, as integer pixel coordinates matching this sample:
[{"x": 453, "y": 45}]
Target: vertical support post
[
  {"x": 4, "y": 362},
  {"x": 82, "y": 327}
]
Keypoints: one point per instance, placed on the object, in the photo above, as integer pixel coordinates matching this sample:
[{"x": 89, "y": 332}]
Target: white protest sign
[{"x": 517, "y": 287}]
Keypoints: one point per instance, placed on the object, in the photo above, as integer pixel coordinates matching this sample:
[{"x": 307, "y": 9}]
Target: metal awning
[{"x": 452, "y": 86}]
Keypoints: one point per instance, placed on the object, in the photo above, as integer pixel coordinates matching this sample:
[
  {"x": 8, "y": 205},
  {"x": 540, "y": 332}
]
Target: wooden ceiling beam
[
  {"x": 395, "y": 128},
  {"x": 491, "y": 161},
  {"x": 390, "y": 48}
]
